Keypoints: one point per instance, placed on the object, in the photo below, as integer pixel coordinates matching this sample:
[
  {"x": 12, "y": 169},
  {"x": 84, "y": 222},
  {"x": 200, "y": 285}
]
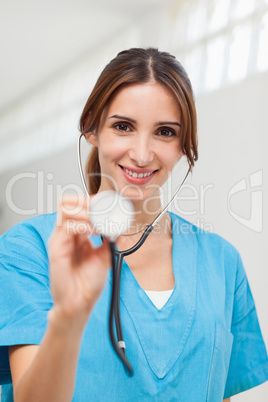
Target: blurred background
[{"x": 53, "y": 51}]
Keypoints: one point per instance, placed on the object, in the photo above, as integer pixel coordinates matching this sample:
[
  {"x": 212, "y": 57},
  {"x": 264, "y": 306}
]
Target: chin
[
  {"x": 134, "y": 195},
  {"x": 138, "y": 194}
]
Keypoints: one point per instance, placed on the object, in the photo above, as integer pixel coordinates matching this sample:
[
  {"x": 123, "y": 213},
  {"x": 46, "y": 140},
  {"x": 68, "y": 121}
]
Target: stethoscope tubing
[{"x": 114, "y": 315}]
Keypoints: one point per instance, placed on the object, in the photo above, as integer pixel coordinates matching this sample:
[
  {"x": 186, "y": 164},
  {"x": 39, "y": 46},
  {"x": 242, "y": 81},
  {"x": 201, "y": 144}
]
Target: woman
[{"x": 205, "y": 343}]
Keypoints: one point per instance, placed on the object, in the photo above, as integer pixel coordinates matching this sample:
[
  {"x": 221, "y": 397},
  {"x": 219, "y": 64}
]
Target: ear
[
  {"x": 92, "y": 139},
  {"x": 181, "y": 154}
]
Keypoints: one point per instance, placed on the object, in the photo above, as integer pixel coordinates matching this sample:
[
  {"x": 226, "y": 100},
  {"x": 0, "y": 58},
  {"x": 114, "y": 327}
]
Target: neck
[
  {"x": 145, "y": 213},
  {"x": 162, "y": 230}
]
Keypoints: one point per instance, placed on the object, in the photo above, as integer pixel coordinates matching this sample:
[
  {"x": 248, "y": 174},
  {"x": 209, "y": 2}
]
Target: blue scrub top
[{"x": 205, "y": 344}]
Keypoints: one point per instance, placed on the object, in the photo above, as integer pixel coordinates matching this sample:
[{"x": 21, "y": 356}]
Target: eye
[
  {"x": 121, "y": 127},
  {"x": 166, "y": 132}
]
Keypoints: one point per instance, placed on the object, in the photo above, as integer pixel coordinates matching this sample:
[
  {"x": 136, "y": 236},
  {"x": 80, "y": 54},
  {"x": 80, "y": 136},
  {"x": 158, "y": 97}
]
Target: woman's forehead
[{"x": 151, "y": 97}]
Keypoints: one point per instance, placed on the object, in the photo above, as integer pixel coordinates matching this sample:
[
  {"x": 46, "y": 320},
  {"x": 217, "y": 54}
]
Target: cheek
[
  {"x": 111, "y": 149},
  {"x": 170, "y": 156}
]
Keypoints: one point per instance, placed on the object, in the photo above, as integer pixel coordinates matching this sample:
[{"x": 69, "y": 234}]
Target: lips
[{"x": 138, "y": 175}]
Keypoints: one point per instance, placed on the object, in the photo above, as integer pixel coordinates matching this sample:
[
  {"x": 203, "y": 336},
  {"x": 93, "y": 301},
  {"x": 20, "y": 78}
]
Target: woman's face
[{"x": 138, "y": 140}]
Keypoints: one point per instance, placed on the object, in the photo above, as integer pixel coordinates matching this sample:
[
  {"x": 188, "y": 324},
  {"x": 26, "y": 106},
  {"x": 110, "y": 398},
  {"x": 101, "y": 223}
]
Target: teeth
[{"x": 134, "y": 174}]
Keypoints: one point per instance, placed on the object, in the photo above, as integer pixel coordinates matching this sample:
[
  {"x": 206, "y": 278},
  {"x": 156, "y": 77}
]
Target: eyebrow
[
  {"x": 160, "y": 123},
  {"x": 116, "y": 116},
  {"x": 172, "y": 123}
]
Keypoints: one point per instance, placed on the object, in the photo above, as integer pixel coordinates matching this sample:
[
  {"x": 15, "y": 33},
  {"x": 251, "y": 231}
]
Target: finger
[
  {"x": 69, "y": 239},
  {"x": 79, "y": 217},
  {"x": 69, "y": 210},
  {"x": 83, "y": 248},
  {"x": 73, "y": 204},
  {"x": 76, "y": 227},
  {"x": 74, "y": 200}
]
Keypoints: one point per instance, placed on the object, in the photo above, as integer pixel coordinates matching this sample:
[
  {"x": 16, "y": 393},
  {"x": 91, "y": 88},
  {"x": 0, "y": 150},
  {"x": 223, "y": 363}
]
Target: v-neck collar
[{"x": 163, "y": 333}]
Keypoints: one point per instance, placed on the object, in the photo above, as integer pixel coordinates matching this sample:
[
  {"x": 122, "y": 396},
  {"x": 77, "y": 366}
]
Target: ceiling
[{"x": 40, "y": 38}]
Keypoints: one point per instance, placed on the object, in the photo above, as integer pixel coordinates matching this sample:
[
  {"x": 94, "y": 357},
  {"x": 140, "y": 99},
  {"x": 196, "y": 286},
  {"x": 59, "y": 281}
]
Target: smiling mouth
[{"x": 137, "y": 175}]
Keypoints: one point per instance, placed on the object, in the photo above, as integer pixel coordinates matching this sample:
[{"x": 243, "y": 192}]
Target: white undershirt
[{"x": 159, "y": 298}]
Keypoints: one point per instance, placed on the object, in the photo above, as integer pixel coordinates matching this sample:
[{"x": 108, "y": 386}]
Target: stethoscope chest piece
[{"x": 111, "y": 214}]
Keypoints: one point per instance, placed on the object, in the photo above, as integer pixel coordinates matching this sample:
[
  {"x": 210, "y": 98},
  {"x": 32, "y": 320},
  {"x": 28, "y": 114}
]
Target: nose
[{"x": 142, "y": 152}]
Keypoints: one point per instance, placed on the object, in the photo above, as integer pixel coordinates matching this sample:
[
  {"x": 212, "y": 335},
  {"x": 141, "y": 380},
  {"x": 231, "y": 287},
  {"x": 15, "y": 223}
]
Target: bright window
[
  {"x": 218, "y": 11},
  {"x": 219, "y": 41},
  {"x": 192, "y": 60},
  {"x": 239, "y": 53},
  {"x": 242, "y": 8},
  {"x": 214, "y": 65},
  {"x": 196, "y": 21},
  {"x": 262, "y": 62}
]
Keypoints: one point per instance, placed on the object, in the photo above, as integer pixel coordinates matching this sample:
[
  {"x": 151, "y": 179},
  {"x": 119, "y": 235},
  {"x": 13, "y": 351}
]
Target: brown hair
[{"x": 137, "y": 66}]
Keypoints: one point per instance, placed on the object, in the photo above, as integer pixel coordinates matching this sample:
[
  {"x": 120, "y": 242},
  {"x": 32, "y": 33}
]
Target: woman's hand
[{"x": 78, "y": 271}]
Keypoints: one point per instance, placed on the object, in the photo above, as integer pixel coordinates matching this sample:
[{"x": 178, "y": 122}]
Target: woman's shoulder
[
  {"x": 207, "y": 240},
  {"x": 41, "y": 224},
  {"x": 31, "y": 234}
]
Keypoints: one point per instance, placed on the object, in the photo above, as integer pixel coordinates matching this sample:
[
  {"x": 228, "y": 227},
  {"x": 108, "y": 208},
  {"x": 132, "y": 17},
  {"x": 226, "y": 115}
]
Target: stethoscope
[{"x": 99, "y": 203}]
